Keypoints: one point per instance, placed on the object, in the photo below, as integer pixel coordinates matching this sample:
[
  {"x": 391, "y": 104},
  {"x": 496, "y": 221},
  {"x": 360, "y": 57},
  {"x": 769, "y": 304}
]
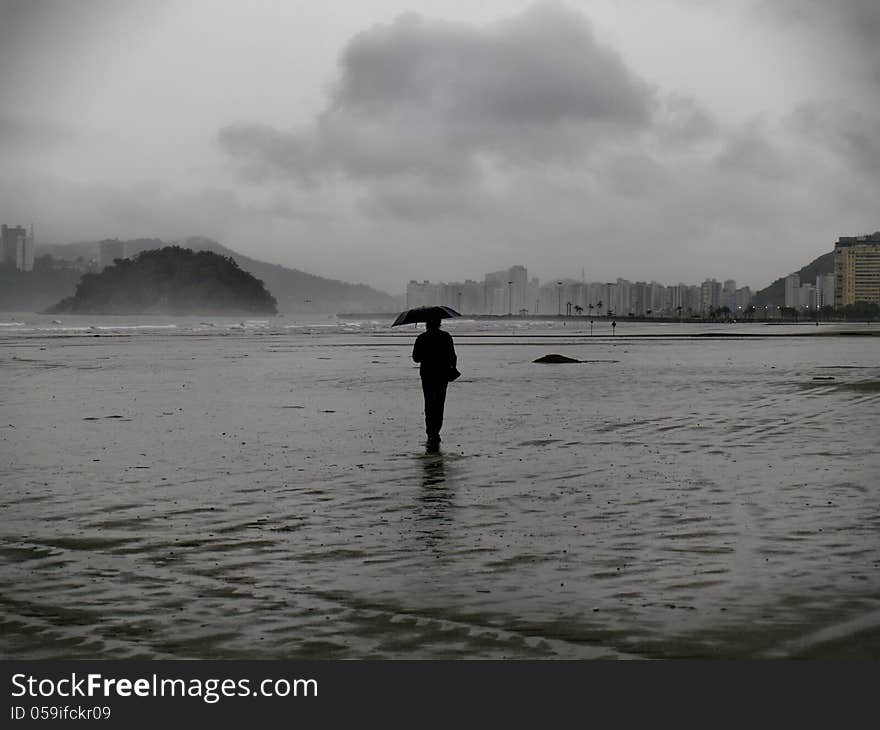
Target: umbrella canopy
[{"x": 423, "y": 314}]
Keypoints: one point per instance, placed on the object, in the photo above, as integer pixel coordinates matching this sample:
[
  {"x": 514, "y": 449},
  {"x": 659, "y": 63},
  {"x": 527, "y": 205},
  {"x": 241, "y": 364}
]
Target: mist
[{"x": 438, "y": 141}]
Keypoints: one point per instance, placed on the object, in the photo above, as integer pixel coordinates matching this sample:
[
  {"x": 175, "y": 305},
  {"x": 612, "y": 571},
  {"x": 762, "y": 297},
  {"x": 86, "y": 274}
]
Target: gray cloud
[
  {"x": 751, "y": 150},
  {"x": 842, "y": 38},
  {"x": 432, "y": 100},
  {"x": 18, "y": 132},
  {"x": 843, "y": 34},
  {"x": 852, "y": 134}
]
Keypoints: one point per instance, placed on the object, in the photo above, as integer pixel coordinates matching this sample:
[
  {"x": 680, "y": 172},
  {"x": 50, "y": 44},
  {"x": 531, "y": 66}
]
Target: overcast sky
[{"x": 381, "y": 140}]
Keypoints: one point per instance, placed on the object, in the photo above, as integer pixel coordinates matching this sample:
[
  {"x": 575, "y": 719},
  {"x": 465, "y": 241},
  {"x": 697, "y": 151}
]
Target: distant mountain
[
  {"x": 774, "y": 295},
  {"x": 294, "y": 290}
]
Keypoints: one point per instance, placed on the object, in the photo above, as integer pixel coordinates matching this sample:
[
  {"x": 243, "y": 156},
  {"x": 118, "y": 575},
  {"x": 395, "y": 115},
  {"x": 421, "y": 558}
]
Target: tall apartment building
[
  {"x": 710, "y": 295},
  {"x": 792, "y": 290},
  {"x": 17, "y": 247},
  {"x": 519, "y": 275},
  {"x": 509, "y": 290},
  {"x": 421, "y": 294},
  {"x": 857, "y": 269},
  {"x": 728, "y": 295},
  {"x": 742, "y": 300},
  {"x": 824, "y": 290}
]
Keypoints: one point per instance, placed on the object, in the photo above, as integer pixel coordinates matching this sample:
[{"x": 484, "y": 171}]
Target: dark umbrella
[{"x": 424, "y": 314}]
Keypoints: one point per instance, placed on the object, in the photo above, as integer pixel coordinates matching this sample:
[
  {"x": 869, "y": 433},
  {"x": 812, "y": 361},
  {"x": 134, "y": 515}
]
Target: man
[{"x": 435, "y": 354}]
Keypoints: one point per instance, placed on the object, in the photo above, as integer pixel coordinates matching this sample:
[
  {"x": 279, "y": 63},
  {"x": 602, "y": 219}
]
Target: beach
[{"x": 207, "y": 488}]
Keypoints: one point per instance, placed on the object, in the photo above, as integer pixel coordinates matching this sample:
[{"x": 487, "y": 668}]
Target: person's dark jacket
[{"x": 435, "y": 354}]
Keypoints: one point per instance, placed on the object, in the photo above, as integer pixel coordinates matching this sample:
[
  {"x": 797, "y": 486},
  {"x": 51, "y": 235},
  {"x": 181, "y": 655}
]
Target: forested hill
[
  {"x": 774, "y": 295},
  {"x": 170, "y": 280},
  {"x": 294, "y": 290}
]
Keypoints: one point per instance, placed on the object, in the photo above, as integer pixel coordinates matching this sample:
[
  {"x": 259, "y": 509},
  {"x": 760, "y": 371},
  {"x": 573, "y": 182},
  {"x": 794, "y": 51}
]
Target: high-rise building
[
  {"x": 710, "y": 295},
  {"x": 857, "y": 269},
  {"x": 421, "y": 294},
  {"x": 792, "y": 287},
  {"x": 17, "y": 247},
  {"x": 825, "y": 290},
  {"x": 743, "y": 299},
  {"x": 510, "y": 291},
  {"x": 519, "y": 275}
]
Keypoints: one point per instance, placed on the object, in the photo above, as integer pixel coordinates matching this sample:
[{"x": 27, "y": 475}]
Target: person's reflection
[
  {"x": 433, "y": 469},
  {"x": 435, "y": 497}
]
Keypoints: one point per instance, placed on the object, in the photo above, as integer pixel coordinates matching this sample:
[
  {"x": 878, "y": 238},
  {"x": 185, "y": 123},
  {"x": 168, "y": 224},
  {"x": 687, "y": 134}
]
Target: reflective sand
[{"x": 267, "y": 494}]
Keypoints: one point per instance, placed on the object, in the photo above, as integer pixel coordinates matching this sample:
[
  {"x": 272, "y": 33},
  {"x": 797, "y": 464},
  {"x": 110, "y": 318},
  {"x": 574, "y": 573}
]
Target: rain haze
[
  {"x": 384, "y": 141},
  {"x": 648, "y": 453}
]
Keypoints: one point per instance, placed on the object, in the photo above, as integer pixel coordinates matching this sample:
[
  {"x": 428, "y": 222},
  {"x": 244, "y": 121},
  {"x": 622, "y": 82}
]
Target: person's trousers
[{"x": 435, "y": 399}]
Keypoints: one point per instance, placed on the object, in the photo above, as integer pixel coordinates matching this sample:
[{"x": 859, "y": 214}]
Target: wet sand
[{"x": 268, "y": 495}]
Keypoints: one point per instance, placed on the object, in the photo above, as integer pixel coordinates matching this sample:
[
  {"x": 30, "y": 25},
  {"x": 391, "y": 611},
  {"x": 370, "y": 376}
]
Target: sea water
[{"x": 234, "y": 487}]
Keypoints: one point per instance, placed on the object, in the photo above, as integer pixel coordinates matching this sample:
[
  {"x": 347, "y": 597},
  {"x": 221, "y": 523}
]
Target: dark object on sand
[
  {"x": 424, "y": 314},
  {"x": 554, "y": 358}
]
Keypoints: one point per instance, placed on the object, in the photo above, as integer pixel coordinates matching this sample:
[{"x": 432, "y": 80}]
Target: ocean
[{"x": 203, "y": 487}]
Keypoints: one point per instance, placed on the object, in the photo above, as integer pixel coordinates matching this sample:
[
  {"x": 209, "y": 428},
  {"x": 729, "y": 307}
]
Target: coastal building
[
  {"x": 825, "y": 290},
  {"x": 710, "y": 295},
  {"x": 728, "y": 295},
  {"x": 742, "y": 300},
  {"x": 511, "y": 291},
  {"x": 857, "y": 269},
  {"x": 792, "y": 287},
  {"x": 17, "y": 247},
  {"x": 421, "y": 294},
  {"x": 806, "y": 296}
]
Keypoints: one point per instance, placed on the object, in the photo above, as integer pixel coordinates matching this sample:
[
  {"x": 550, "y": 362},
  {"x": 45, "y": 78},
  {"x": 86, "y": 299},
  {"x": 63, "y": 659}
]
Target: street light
[
  {"x": 559, "y": 298},
  {"x": 459, "y": 302},
  {"x": 509, "y": 297}
]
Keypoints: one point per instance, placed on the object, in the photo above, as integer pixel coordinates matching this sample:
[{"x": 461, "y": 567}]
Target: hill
[
  {"x": 774, "y": 295},
  {"x": 170, "y": 280},
  {"x": 294, "y": 290}
]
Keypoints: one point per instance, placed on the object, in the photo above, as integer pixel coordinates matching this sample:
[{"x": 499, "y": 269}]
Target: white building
[
  {"x": 825, "y": 290},
  {"x": 18, "y": 247},
  {"x": 792, "y": 285}
]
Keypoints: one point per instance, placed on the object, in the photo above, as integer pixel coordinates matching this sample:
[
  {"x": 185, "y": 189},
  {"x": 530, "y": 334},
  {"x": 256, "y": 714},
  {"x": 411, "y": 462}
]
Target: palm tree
[{"x": 599, "y": 307}]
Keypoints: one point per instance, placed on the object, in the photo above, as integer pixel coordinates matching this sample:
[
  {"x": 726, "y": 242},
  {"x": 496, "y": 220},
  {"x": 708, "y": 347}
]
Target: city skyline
[
  {"x": 382, "y": 140},
  {"x": 511, "y": 291}
]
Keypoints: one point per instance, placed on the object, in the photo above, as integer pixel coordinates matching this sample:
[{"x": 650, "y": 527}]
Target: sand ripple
[{"x": 215, "y": 496}]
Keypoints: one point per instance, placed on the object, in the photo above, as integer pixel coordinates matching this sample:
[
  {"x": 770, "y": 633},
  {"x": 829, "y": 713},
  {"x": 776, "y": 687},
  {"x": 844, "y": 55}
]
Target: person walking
[{"x": 435, "y": 353}]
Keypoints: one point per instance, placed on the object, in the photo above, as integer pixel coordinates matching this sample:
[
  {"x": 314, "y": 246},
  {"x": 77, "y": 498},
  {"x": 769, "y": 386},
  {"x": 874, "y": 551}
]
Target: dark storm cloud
[
  {"x": 414, "y": 200},
  {"x": 854, "y": 24},
  {"x": 852, "y": 134},
  {"x": 682, "y": 120},
  {"x": 434, "y": 100},
  {"x": 751, "y": 150},
  {"x": 843, "y": 34},
  {"x": 843, "y": 39}
]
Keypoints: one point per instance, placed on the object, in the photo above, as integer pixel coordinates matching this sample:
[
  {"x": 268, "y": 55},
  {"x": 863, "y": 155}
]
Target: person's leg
[
  {"x": 428, "y": 392},
  {"x": 439, "y": 404},
  {"x": 435, "y": 396}
]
